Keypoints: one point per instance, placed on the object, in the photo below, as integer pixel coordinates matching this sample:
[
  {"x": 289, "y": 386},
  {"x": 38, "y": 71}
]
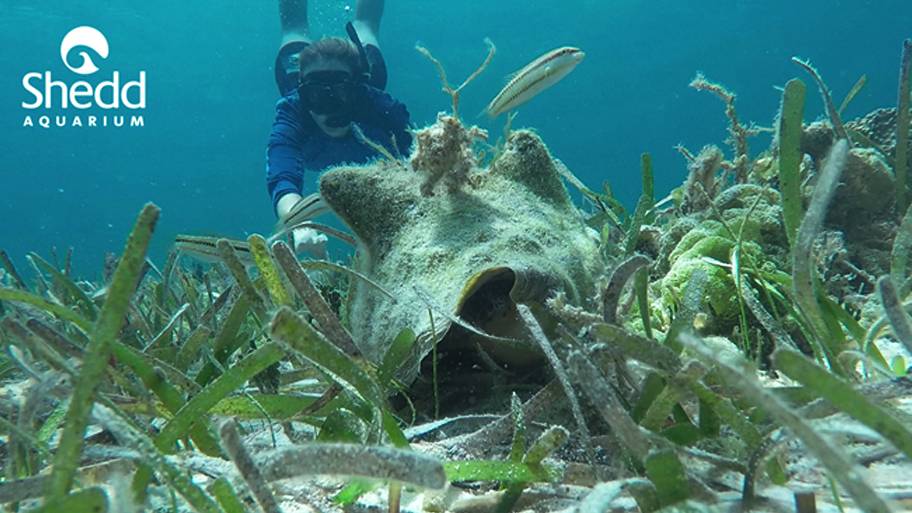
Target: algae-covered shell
[{"x": 510, "y": 235}]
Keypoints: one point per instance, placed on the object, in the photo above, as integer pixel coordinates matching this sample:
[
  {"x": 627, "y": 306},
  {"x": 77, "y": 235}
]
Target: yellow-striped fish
[
  {"x": 304, "y": 210},
  {"x": 204, "y": 248},
  {"x": 537, "y": 76}
]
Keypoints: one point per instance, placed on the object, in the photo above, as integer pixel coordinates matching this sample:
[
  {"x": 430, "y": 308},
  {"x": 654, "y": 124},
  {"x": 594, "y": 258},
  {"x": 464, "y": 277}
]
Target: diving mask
[{"x": 330, "y": 92}]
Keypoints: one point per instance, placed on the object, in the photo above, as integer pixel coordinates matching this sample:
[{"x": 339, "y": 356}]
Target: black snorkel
[{"x": 362, "y": 54}]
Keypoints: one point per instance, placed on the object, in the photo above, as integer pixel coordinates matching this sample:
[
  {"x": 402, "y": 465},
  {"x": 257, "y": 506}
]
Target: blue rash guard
[{"x": 297, "y": 144}]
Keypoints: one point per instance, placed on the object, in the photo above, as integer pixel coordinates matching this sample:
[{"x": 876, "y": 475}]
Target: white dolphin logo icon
[{"x": 84, "y": 36}]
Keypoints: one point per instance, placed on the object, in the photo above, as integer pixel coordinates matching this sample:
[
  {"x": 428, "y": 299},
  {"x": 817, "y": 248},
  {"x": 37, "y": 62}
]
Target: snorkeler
[{"x": 326, "y": 87}]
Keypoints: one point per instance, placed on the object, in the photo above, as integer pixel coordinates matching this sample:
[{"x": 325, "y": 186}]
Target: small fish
[
  {"x": 305, "y": 209},
  {"x": 537, "y": 76},
  {"x": 206, "y": 249}
]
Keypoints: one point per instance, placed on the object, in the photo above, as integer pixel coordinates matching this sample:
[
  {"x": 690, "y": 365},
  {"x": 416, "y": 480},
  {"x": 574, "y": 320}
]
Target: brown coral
[
  {"x": 444, "y": 151},
  {"x": 701, "y": 185}
]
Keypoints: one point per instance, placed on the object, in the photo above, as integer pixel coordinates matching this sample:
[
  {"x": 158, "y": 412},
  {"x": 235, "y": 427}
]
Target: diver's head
[{"x": 331, "y": 80}]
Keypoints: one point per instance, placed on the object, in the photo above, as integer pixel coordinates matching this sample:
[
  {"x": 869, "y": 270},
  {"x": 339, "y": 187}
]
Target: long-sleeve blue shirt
[{"x": 297, "y": 144}]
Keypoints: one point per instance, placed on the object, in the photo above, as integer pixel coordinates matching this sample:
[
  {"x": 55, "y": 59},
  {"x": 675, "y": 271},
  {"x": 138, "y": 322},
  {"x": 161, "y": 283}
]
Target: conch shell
[{"x": 510, "y": 234}]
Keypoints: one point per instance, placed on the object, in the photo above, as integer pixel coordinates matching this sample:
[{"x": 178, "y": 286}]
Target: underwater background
[{"x": 211, "y": 96}]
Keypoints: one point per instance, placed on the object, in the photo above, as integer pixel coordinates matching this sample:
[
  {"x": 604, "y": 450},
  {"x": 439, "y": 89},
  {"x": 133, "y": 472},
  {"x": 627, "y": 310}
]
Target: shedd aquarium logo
[{"x": 53, "y": 102}]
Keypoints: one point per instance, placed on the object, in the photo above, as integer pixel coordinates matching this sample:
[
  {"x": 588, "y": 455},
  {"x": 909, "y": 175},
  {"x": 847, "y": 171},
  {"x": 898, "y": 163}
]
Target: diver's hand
[{"x": 310, "y": 241}]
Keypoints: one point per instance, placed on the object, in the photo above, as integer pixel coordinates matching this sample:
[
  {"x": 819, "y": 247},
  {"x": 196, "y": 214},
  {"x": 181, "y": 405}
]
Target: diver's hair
[{"x": 330, "y": 49}]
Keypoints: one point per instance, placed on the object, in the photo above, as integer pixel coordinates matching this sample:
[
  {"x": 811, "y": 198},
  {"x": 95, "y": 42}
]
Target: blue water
[{"x": 210, "y": 96}]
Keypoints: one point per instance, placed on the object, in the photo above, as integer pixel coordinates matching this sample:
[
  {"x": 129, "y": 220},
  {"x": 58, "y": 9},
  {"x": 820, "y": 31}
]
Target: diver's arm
[
  {"x": 367, "y": 21},
  {"x": 284, "y": 174},
  {"x": 293, "y": 19},
  {"x": 304, "y": 240}
]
